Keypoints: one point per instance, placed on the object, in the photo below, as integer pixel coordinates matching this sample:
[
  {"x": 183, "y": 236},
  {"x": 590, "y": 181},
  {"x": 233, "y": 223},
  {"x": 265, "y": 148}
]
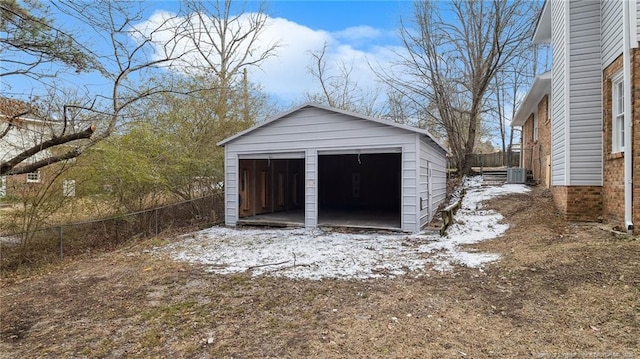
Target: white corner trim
[{"x": 567, "y": 93}]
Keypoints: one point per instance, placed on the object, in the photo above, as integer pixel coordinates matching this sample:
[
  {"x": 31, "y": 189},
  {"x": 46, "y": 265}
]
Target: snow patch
[{"x": 317, "y": 254}]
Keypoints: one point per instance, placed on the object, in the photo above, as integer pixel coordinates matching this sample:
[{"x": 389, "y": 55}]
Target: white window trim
[
  {"x": 33, "y": 180},
  {"x": 617, "y": 113},
  {"x": 69, "y": 188}
]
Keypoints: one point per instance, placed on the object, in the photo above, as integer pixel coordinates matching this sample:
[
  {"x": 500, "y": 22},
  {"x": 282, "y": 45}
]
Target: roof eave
[
  {"x": 542, "y": 33},
  {"x": 541, "y": 86},
  {"x": 344, "y": 112}
]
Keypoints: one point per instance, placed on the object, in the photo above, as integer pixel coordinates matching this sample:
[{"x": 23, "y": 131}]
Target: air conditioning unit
[{"x": 516, "y": 175}]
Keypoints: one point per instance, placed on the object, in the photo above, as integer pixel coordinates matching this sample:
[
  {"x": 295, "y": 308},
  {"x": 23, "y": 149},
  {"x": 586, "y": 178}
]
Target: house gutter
[{"x": 628, "y": 127}]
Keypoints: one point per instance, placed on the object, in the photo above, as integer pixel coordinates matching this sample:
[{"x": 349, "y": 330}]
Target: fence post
[
  {"x": 155, "y": 214},
  {"x": 60, "y": 239}
]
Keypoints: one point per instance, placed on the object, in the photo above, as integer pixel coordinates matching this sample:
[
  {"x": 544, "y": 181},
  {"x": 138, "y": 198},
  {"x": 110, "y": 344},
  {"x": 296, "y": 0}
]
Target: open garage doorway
[
  {"x": 360, "y": 190},
  {"x": 271, "y": 192}
]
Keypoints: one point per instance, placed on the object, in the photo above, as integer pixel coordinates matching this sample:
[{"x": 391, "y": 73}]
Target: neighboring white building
[
  {"x": 21, "y": 130},
  {"x": 319, "y": 166}
]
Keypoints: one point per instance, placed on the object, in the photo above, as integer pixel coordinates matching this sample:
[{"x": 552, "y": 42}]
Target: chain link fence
[{"x": 46, "y": 245}]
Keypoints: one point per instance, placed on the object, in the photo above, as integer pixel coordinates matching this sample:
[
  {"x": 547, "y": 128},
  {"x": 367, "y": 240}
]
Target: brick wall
[
  {"x": 579, "y": 203},
  {"x": 527, "y": 143},
  {"x": 560, "y": 198},
  {"x": 544, "y": 141},
  {"x": 535, "y": 152},
  {"x": 613, "y": 170},
  {"x": 613, "y": 186},
  {"x": 15, "y": 184}
]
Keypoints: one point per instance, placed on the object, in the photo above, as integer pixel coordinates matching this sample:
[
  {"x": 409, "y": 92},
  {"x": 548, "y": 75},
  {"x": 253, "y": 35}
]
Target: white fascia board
[
  {"x": 541, "y": 86},
  {"x": 542, "y": 33}
]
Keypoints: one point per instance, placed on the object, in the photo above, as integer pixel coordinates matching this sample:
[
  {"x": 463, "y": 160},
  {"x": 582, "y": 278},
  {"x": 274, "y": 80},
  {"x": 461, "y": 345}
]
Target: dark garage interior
[
  {"x": 271, "y": 191},
  {"x": 360, "y": 190},
  {"x": 354, "y": 190}
]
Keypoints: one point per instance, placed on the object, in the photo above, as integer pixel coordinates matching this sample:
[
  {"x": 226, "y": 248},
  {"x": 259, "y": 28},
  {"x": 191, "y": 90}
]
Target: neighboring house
[
  {"x": 580, "y": 129},
  {"x": 319, "y": 166},
  {"x": 533, "y": 117},
  {"x": 20, "y": 130}
]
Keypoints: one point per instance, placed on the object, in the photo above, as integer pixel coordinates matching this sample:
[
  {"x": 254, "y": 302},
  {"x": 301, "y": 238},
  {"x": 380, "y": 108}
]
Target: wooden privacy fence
[
  {"x": 496, "y": 159},
  {"x": 53, "y": 243}
]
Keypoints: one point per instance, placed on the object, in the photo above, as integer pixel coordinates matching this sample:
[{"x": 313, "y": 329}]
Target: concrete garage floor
[
  {"x": 328, "y": 218},
  {"x": 292, "y": 218},
  {"x": 360, "y": 219}
]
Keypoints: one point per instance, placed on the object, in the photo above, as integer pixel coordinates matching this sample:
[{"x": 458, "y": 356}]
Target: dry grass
[{"x": 561, "y": 290}]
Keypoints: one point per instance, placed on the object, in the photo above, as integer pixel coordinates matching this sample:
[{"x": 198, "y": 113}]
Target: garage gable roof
[{"x": 348, "y": 113}]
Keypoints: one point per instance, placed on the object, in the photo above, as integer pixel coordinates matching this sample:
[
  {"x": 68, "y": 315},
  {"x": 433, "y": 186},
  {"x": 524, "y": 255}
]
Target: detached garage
[{"x": 319, "y": 166}]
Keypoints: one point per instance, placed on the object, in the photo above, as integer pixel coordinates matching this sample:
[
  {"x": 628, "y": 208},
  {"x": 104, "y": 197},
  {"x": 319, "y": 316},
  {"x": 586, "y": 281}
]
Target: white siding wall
[
  {"x": 230, "y": 188},
  {"x": 313, "y": 129},
  {"x": 637, "y": 20},
  {"x": 585, "y": 95},
  {"x": 558, "y": 84},
  {"x": 433, "y": 187},
  {"x": 320, "y": 129},
  {"x": 311, "y": 189},
  {"x": 611, "y": 13},
  {"x": 409, "y": 191}
]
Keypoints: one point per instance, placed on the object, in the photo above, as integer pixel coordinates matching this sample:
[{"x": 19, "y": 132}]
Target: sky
[
  {"x": 359, "y": 34},
  {"x": 356, "y": 33}
]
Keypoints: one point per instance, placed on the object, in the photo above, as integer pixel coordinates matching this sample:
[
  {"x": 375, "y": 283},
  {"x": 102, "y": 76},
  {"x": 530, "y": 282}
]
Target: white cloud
[
  {"x": 358, "y": 33},
  {"x": 285, "y": 75}
]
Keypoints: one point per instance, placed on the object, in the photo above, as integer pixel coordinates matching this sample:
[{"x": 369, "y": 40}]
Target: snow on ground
[{"x": 318, "y": 254}]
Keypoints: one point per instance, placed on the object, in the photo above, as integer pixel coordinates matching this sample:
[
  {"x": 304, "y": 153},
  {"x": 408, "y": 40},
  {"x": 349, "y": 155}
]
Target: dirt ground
[{"x": 561, "y": 290}]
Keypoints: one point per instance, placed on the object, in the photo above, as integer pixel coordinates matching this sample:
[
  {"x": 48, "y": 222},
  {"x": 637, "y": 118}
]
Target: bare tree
[
  {"x": 338, "y": 89},
  {"x": 401, "y": 110},
  {"x": 507, "y": 89},
  {"x": 29, "y": 41},
  {"x": 500, "y": 89},
  {"x": 506, "y": 92},
  {"x": 228, "y": 43},
  {"x": 133, "y": 53},
  {"x": 451, "y": 60},
  {"x": 30, "y": 44}
]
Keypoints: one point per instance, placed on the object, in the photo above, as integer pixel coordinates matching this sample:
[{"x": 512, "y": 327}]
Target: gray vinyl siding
[
  {"x": 585, "y": 95},
  {"x": 311, "y": 189},
  {"x": 433, "y": 188},
  {"x": 637, "y": 38},
  {"x": 230, "y": 189},
  {"x": 409, "y": 189},
  {"x": 559, "y": 71},
  {"x": 611, "y": 39},
  {"x": 314, "y": 130},
  {"x": 320, "y": 129}
]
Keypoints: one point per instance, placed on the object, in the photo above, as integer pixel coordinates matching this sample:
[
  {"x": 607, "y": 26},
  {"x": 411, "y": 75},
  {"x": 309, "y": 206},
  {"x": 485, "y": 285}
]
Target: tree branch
[{"x": 9, "y": 167}]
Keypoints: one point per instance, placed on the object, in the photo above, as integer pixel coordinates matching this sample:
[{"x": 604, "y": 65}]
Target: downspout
[{"x": 628, "y": 128}]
